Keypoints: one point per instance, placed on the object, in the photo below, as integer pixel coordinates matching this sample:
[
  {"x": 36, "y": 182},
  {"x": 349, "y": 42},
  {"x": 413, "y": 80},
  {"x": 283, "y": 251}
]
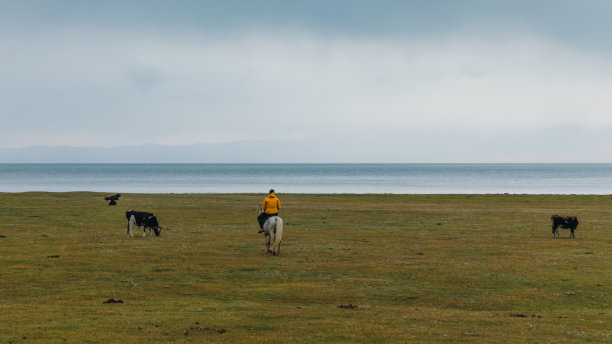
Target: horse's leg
[
  {"x": 273, "y": 242},
  {"x": 278, "y": 235},
  {"x": 275, "y": 248}
]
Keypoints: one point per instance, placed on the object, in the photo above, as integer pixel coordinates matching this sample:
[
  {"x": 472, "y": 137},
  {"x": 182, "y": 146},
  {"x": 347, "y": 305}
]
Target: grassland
[{"x": 409, "y": 268}]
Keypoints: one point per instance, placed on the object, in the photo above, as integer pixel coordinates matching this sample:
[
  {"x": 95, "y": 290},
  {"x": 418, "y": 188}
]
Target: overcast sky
[{"x": 399, "y": 81}]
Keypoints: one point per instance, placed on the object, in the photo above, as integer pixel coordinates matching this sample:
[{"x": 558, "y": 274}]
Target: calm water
[{"x": 310, "y": 178}]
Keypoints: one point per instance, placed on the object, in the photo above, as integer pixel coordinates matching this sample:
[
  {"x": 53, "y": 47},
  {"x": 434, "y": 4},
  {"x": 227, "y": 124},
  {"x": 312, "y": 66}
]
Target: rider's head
[{"x": 271, "y": 191}]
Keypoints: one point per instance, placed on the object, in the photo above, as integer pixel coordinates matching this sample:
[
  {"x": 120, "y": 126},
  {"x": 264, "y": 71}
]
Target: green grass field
[{"x": 407, "y": 268}]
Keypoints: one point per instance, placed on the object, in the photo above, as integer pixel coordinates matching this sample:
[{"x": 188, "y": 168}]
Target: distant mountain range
[
  {"x": 537, "y": 146},
  {"x": 147, "y": 153},
  {"x": 258, "y": 151}
]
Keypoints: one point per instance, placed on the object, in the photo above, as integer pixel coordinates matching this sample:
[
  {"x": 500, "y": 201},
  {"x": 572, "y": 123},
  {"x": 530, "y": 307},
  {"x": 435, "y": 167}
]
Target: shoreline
[{"x": 305, "y": 193}]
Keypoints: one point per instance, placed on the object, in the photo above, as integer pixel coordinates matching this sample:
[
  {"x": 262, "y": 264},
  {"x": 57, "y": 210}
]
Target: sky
[{"x": 360, "y": 81}]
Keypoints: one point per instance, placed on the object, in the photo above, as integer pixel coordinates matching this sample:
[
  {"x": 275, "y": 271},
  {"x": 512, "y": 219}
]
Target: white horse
[{"x": 273, "y": 231}]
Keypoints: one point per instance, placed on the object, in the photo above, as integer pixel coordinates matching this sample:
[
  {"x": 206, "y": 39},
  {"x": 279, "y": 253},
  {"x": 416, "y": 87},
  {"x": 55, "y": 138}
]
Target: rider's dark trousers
[{"x": 263, "y": 217}]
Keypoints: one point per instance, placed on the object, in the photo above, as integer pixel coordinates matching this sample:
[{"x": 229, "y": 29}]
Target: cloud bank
[{"x": 468, "y": 88}]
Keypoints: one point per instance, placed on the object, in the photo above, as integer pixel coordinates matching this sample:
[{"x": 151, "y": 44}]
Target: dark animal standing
[
  {"x": 144, "y": 219},
  {"x": 566, "y": 222},
  {"x": 112, "y": 199}
]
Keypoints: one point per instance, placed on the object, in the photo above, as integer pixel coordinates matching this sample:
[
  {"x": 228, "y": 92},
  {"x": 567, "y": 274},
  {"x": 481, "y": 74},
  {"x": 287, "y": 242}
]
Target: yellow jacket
[{"x": 271, "y": 204}]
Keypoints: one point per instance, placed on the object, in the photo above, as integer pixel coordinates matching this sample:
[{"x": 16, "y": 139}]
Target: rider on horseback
[{"x": 270, "y": 207}]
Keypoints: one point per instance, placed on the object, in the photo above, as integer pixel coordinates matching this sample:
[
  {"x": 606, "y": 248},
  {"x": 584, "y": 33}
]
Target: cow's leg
[
  {"x": 144, "y": 231},
  {"x": 130, "y": 228},
  {"x": 556, "y": 230}
]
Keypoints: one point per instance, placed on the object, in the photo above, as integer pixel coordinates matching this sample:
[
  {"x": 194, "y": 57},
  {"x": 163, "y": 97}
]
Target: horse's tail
[{"x": 278, "y": 236}]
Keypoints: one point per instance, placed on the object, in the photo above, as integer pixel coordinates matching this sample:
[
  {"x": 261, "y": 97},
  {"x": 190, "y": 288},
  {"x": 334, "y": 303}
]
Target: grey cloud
[
  {"x": 329, "y": 72},
  {"x": 146, "y": 79}
]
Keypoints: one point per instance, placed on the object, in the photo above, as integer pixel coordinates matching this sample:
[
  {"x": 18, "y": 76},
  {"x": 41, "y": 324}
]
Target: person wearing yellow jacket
[{"x": 270, "y": 207}]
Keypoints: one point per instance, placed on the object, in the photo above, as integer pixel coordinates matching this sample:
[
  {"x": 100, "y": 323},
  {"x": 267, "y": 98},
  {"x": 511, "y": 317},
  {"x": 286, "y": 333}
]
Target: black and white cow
[
  {"x": 144, "y": 219},
  {"x": 570, "y": 222}
]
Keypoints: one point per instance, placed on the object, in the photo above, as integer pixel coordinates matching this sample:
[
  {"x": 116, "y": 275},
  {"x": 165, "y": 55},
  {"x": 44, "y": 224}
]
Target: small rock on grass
[
  {"x": 349, "y": 306},
  {"x": 111, "y": 300}
]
